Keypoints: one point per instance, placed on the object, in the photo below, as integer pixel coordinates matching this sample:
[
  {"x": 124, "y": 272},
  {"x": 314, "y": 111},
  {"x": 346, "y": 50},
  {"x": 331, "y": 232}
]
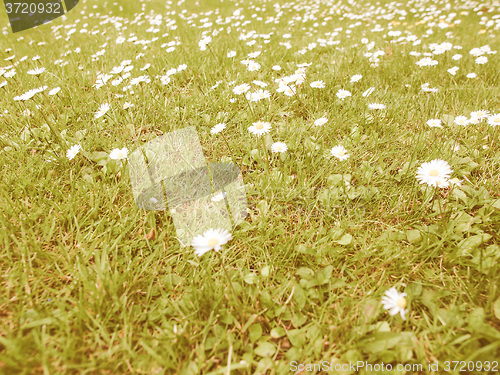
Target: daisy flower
[
  {"x": 241, "y": 89},
  {"x": 481, "y": 60},
  {"x": 54, "y": 91},
  {"x": 395, "y": 302},
  {"x": 455, "y": 181},
  {"x": 259, "y": 128},
  {"x": 342, "y": 94},
  {"x": 279, "y": 147},
  {"x": 73, "y": 150},
  {"x": 453, "y": 70},
  {"x": 471, "y": 75},
  {"x": 36, "y": 71},
  {"x": 376, "y": 106},
  {"x": 321, "y": 121},
  {"x": 356, "y": 77},
  {"x": 481, "y": 114},
  {"x": 434, "y": 123},
  {"x": 426, "y": 61},
  {"x": 434, "y": 173},
  {"x": 102, "y": 110},
  {"x": 118, "y": 154},
  {"x": 339, "y": 152},
  {"x": 127, "y": 105},
  {"x": 317, "y": 84},
  {"x": 231, "y": 54},
  {"x": 276, "y": 67},
  {"x": 494, "y": 120},
  {"x": 461, "y": 120},
  {"x": 212, "y": 239},
  {"x": 218, "y": 128},
  {"x": 253, "y": 66}
]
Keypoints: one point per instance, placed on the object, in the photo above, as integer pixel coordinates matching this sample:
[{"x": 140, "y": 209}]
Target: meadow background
[{"x": 92, "y": 284}]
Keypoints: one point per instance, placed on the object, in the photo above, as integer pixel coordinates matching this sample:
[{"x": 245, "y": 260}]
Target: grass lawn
[{"x": 367, "y": 136}]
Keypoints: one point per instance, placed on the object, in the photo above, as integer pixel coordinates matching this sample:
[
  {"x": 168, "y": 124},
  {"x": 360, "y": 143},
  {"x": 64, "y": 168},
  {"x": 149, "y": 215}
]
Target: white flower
[
  {"x": 342, "y": 94},
  {"x": 102, "y": 110},
  {"x": 241, "y": 89},
  {"x": 276, "y": 67},
  {"x": 471, "y": 75},
  {"x": 434, "y": 123},
  {"x": 494, "y": 120},
  {"x": 395, "y": 302},
  {"x": 339, "y": 152},
  {"x": 455, "y": 181},
  {"x": 456, "y": 57},
  {"x": 461, "y": 120},
  {"x": 218, "y": 128},
  {"x": 259, "y": 128},
  {"x": 54, "y": 91},
  {"x": 356, "y": 77},
  {"x": 253, "y": 66},
  {"x": 453, "y": 70},
  {"x": 481, "y": 114},
  {"x": 36, "y": 71},
  {"x": 481, "y": 60},
  {"x": 127, "y": 105},
  {"x": 212, "y": 239},
  {"x": 279, "y": 147},
  {"x": 231, "y": 54},
  {"x": 376, "y": 106},
  {"x": 73, "y": 150},
  {"x": 118, "y": 154},
  {"x": 426, "y": 61},
  {"x": 434, "y": 173},
  {"x": 321, "y": 121},
  {"x": 317, "y": 84},
  {"x": 258, "y": 95}
]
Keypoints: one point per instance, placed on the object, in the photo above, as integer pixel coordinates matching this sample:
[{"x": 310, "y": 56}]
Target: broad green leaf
[
  {"x": 345, "y": 240},
  {"x": 448, "y": 119},
  {"x": 251, "y": 278},
  {"x": 255, "y": 332},
  {"x": 297, "y": 337},
  {"x": 277, "y": 332},
  {"x": 265, "y": 271},
  {"x": 305, "y": 273},
  {"x": 324, "y": 275},
  {"x": 413, "y": 236},
  {"x": 465, "y": 246},
  {"x": 496, "y": 308},
  {"x": 496, "y": 204},
  {"x": 98, "y": 155},
  {"x": 380, "y": 341},
  {"x": 299, "y": 296},
  {"x": 265, "y": 349}
]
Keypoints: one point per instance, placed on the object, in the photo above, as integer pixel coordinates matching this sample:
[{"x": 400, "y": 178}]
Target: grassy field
[{"x": 92, "y": 284}]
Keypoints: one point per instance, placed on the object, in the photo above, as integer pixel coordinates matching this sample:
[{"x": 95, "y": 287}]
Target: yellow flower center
[
  {"x": 401, "y": 303},
  {"x": 212, "y": 242},
  {"x": 341, "y": 153},
  {"x": 434, "y": 173},
  {"x": 259, "y": 126}
]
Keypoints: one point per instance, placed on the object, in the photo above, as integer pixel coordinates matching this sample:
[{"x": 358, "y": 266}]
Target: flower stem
[{"x": 223, "y": 265}]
